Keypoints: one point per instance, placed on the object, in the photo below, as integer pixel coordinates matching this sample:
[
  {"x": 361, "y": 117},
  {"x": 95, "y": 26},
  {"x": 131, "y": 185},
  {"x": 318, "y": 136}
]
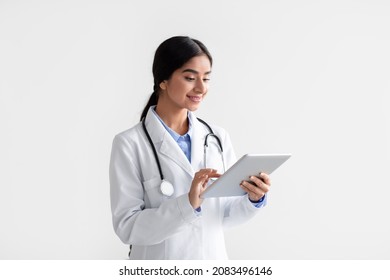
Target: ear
[{"x": 163, "y": 85}]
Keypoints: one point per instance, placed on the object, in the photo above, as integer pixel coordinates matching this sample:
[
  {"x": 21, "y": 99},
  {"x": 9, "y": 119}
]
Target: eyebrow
[{"x": 194, "y": 71}]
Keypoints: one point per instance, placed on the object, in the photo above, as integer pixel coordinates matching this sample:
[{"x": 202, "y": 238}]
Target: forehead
[{"x": 199, "y": 63}]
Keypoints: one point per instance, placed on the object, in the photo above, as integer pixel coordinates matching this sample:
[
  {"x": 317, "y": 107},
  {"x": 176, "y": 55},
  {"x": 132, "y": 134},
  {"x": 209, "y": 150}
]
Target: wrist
[
  {"x": 256, "y": 200},
  {"x": 193, "y": 201}
]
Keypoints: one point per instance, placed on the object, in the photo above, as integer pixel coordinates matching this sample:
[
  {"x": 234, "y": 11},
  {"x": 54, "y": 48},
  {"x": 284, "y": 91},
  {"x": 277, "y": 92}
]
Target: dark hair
[{"x": 172, "y": 54}]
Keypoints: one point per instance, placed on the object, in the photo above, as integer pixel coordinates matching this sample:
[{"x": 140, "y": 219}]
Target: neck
[{"x": 175, "y": 119}]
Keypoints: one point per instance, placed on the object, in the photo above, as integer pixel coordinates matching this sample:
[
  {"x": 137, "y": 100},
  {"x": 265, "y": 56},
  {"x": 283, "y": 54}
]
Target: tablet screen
[{"x": 250, "y": 164}]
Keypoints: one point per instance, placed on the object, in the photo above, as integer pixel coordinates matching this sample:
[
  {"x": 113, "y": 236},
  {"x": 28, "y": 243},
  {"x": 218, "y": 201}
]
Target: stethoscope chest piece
[{"x": 166, "y": 188}]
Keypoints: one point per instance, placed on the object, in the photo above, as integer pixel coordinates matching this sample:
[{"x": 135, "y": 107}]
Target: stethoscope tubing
[
  {"x": 153, "y": 148},
  {"x": 166, "y": 187}
]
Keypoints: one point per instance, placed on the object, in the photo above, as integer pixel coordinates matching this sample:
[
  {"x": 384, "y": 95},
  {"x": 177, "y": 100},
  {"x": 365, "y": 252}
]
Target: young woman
[{"x": 160, "y": 167}]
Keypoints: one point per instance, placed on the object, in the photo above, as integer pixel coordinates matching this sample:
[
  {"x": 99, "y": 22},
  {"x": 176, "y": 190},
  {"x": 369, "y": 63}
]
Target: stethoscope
[{"x": 166, "y": 187}]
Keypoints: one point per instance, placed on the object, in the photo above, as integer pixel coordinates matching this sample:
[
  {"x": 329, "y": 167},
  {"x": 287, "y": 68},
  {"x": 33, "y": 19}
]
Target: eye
[
  {"x": 189, "y": 78},
  {"x": 206, "y": 80}
]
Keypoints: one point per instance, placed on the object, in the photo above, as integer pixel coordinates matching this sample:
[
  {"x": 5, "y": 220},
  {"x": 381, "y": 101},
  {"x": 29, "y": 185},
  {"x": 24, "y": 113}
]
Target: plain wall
[{"x": 309, "y": 78}]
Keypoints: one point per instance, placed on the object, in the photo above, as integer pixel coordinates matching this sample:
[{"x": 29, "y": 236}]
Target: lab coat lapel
[
  {"x": 165, "y": 144},
  {"x": 172, "y": 150},
  {"x": 197, "y": 143}
]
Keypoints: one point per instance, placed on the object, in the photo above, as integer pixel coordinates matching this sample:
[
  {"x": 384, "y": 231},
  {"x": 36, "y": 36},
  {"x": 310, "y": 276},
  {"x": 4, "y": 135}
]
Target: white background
[{"x": 309, "y": 78}]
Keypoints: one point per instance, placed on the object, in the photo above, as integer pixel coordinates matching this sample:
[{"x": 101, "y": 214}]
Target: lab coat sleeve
[
  {"x": 133, "y": 223},
  {"x": 237, "y": 210}
]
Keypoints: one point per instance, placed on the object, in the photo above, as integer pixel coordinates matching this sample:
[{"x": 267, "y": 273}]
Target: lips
[{"x": 195, "y": 98}]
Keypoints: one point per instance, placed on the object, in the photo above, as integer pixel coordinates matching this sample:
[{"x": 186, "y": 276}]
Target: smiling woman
[
  {"x": 182, "y": 58},
  {"x": 158, "y": 168},
  {"x": 184, "y": 91}
]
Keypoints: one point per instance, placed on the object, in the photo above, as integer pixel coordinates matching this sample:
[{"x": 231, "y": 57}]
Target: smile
[{"x": 195, "y": 98}]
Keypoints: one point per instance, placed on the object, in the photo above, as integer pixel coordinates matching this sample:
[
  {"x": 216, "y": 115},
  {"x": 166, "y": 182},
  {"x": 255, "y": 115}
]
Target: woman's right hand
[{"x": 199, "y": 184}]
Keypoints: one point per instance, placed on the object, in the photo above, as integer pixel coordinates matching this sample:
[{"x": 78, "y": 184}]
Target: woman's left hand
[{"x": 258, "y": 187}]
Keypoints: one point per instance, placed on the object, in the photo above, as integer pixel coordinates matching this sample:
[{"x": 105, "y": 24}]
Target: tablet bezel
[{"x": 249, "y": 164}]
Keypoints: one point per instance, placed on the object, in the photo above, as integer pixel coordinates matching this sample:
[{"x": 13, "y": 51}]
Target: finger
[
  {"x": 253, "y": 189},
  {"x": 216, "y": 175},
  {"x": 211, "y": 177},
  {"x": 206, "y": 171},
  {"x": 265, "y": 177},
  {"x": 256, "y": 181},
  {"x": 200, "y": 179},
  {"x": 254, "y": 194},
  {"x": 259, "y": 183},
  {"x": 210, "y": 172}
]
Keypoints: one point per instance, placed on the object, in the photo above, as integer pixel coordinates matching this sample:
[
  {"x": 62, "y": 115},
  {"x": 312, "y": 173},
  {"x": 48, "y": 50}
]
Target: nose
[{"x": 200, "y": 87}]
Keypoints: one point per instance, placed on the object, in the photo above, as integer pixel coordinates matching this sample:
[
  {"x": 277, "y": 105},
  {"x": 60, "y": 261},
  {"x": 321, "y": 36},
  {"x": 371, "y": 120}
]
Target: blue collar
[{"x": 174, "y": 134}]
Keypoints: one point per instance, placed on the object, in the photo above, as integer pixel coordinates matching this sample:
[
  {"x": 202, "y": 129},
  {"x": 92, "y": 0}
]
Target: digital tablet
[{"x": 250, "y": 164}]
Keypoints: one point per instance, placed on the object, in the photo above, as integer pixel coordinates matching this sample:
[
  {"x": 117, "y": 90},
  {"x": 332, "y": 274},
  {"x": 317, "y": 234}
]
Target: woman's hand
[
  {"x": 258, "y": 187},
  {"x": 199, "y": 184}
]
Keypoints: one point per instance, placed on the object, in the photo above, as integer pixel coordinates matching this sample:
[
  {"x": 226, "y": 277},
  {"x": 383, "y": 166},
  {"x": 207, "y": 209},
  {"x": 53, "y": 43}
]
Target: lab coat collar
[{"x": 167, "y": 146}]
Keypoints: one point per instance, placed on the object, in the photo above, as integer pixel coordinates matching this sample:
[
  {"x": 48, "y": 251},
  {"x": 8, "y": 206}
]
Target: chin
[{"x": 193, "y": 108}]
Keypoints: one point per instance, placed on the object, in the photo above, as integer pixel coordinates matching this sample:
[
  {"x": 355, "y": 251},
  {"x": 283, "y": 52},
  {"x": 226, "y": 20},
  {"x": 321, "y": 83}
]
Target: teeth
[{"x": 195, "y": 98}]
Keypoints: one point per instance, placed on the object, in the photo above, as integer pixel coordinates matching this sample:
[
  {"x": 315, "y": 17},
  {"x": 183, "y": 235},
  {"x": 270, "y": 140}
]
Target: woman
[{"x": 158, "y": 169}]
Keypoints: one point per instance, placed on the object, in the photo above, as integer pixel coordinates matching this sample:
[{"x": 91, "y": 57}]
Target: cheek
[
  {"x": 182, "y": 89},
  {"x": 178, "y": 88}
]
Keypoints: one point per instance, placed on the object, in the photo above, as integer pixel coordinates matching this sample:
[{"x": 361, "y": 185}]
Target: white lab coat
[{"x": 161, "y": 227}]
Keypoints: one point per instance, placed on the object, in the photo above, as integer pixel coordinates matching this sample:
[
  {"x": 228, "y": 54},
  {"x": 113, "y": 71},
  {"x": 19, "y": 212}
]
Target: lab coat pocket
[{"x": 153, "y": 196}]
